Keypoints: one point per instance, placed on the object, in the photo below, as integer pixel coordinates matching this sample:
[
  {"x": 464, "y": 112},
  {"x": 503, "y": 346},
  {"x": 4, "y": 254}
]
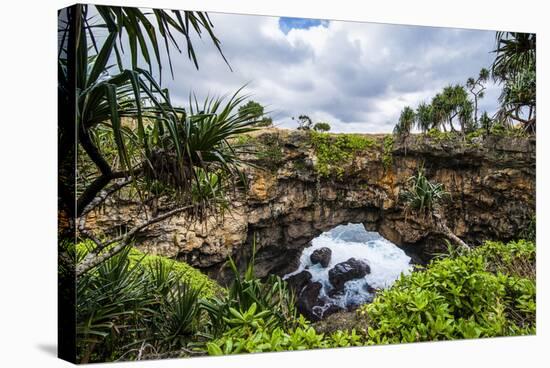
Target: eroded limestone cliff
[{"x": 307, "y": 183}]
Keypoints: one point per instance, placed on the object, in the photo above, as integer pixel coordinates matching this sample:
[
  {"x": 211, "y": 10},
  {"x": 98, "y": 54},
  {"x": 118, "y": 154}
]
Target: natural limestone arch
[{"x": 288, "y": 203}]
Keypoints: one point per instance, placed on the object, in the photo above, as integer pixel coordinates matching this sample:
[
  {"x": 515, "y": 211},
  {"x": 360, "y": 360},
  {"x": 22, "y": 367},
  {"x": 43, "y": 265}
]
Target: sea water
[{"x": 387, "y": 262}]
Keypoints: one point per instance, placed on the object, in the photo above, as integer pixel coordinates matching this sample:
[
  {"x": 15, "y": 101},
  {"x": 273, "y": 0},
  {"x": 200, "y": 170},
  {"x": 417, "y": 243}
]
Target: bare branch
[
  {"x": 94, "y": 258},
  {"x": 102, "y": 196}
]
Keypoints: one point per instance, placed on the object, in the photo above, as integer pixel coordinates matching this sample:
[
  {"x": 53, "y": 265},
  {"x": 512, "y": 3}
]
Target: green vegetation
[
  {"x": 439, "y": 135},
  {"x": 269, "y": 151},
  {"x": 477, "y": 89},
  {"x": 305, "y": 123},
  {"x": 334, "y": 152},
  {"x": 406, "y": 122},
  {"x": 132, "y": 305},
  {"x": 136, "y": 306},
  {"x": 513, "y": 67},
  {"x": 387, "y": 156},
  {"x": 422, "y": 194},
  {"x": 130, "y": 134},
  {"x": 250, "y": 303},
  {"x": 278, "y": 339},
  {"x": 423, "y": 198},
  {"x": 485, "y": 293},
  {"x": 321, "y": 127},
  {"x": 252, "y": 110}
]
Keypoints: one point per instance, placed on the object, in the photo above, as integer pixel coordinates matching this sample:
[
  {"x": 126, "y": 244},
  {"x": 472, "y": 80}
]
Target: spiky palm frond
[{"x": 515, "y": 52}]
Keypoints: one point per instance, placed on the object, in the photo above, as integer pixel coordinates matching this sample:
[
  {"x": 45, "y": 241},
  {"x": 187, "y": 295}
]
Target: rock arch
[{"x": 288, "y": 203}]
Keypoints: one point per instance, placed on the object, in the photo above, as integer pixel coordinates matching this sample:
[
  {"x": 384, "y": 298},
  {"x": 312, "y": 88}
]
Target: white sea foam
[{"x": 387, "y": 262}]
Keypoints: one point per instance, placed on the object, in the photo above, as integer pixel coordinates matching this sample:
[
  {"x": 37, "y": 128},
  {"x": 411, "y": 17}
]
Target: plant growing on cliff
[
  {"x": 387, "y": 157},
  {"x": 335, "y": 152},
  {"x": 304, "y": 122},
  {"x": 406, "y": 122},
  {"x": 423, "y": 197},
  {"x": 255, "y": 111}
]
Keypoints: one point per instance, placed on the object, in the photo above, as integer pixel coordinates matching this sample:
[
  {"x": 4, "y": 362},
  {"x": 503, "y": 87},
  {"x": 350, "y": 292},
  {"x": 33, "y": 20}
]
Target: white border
[{"x": 28, "y": 180}]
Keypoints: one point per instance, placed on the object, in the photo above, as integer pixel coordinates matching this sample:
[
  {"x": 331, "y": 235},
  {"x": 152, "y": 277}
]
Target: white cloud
[{"x": 356, "y": 76}]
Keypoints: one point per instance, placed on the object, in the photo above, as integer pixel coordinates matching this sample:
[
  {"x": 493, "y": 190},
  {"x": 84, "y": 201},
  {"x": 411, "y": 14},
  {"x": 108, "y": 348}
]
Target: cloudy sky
[{"x": 356, "y": 76}]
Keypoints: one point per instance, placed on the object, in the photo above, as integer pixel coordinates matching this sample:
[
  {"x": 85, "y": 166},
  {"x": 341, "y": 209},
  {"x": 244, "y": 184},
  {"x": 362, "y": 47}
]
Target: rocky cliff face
[{"x": 307, "y": 184}]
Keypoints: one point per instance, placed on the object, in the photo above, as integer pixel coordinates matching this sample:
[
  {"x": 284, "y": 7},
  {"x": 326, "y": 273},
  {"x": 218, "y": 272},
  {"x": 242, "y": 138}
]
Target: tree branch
[
  {"x": 94, "y": 258},
  {"x": 102, "y": 196}
]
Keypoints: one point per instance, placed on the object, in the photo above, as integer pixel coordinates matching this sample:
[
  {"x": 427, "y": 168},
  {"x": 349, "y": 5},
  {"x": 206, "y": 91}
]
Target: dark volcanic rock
[
  {"x": 348, "y": 270},
  {"x": 298, "y": 281},
  {"x": 314, "y": 307},
  {"x": 309, "y": 300},
  {"x": 322, "y": 256}
]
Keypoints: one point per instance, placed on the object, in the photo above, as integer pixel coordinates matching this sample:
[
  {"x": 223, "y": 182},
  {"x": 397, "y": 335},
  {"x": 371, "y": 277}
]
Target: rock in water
[
  {"x": 322, "y": 256},
  {"x": 309, "y": 301},
  {"x": 298, "y": 281},
  {"x": 348, "y": 270}
]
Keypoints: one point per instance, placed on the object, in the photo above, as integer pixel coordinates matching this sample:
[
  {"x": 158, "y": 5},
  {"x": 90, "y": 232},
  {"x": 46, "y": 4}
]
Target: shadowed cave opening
[{"x": 344, "y": 268}]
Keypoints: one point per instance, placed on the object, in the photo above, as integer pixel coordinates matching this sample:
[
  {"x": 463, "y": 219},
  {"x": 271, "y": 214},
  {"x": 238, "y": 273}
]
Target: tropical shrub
[
  {"x": 278, "y": 339},
  {"x": 250, "y": 302},
  {"x": 487, "y": 292},
  {"x": 134, "y": 306}
]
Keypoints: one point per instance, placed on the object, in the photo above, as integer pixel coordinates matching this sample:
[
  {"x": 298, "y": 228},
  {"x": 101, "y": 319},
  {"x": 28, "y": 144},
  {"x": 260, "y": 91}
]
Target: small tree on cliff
[
  {"x": 424, "y": 197},
  {"x": 304, "y": 122},
  {"x": 405, "y": 123},
  {"x": 321, "y": 127},
  {"x": 255, "y": 111},
  {"x": 477, "y": 88},
  {"x": 425, "y": 117}
]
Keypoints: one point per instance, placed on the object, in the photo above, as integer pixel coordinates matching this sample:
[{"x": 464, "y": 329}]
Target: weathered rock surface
[
  {"x": 322, "y": 256},
  {"x": 491, "y": 184}
]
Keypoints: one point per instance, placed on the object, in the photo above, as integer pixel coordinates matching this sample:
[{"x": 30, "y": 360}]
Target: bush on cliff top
[
  {"x": 335, "y": 151},
  {"x": 485, "y": 293}
]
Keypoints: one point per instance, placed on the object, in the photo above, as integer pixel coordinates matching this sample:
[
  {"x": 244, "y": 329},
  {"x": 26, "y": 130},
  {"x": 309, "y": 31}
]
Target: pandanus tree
[
  {"x": 514, "y": 67},
  {"x": 424, "y": 197},
  {"x": 477, "y": 88},
  {"x": 154, "y": 140},
  {"x": 455, "y": 104},
  {"x": 406, "y": 122},
  {"x": 425, "y": 117}
]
